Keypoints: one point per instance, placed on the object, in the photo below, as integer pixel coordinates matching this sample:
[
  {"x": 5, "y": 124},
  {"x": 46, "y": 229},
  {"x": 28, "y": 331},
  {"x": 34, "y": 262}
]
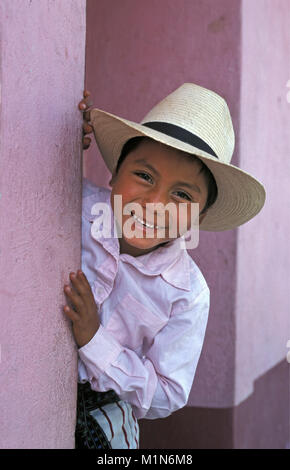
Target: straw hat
[{"x": 197, "y": 121}]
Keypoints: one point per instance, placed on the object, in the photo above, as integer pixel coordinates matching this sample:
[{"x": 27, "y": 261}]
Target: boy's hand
[
  {"x": 84, "y": 105},
  {"x": 84, "y": 316}
]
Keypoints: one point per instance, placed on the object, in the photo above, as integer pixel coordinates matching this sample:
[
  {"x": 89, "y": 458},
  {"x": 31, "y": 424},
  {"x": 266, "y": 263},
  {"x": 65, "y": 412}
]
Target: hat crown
[{"x": 201, "y": 112}]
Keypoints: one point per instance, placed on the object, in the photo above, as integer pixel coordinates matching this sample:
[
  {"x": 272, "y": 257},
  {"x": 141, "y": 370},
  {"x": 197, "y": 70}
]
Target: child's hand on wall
[
  {"x": 84, "y": 316},
  {"x": 84, "y": 105}
]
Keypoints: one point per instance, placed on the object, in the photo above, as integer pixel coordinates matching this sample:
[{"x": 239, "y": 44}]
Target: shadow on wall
[{"x": 250, "y": 425}]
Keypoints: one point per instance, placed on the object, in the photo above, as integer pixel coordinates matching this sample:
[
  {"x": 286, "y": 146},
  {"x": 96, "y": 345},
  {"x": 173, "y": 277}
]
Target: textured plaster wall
[
  {"x": 137, "y": 53},
  {"x": 42, "y": 78}
]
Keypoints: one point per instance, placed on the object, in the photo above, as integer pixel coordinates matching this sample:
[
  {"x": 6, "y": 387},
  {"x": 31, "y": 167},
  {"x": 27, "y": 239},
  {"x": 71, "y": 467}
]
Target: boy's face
[{"x": 155, "y": 173}]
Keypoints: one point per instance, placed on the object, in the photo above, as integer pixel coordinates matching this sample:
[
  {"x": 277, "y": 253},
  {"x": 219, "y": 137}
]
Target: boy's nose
[
  {"x": 155, "y": 195},
  {"x": 155, "y": 211}
]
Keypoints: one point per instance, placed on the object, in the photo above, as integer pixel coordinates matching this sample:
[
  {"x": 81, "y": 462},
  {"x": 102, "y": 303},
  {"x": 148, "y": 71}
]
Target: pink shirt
[{"x": 153, "y": 311}]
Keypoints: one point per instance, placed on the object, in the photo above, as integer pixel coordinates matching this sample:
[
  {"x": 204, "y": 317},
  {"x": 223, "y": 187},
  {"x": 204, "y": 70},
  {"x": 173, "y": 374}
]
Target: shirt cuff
[{"x": 100, "y": 351}]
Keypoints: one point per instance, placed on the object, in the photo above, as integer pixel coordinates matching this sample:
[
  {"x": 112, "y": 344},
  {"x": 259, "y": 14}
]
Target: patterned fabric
[
  {"x": 104, "y": 421},
  {"x": 89, "y": 434}
]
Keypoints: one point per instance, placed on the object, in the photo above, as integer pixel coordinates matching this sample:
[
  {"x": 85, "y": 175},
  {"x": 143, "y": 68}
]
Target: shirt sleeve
[{"x": 159, "y": 383}]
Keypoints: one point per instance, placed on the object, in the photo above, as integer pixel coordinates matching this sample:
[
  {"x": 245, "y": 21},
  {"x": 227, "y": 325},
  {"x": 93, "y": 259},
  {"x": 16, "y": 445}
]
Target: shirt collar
[
  {"x": 171, "y": 261},
  {"x": 103, "y": 222}
]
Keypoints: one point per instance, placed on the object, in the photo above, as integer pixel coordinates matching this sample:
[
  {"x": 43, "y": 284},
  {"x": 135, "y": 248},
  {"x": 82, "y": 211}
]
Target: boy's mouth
[{"x": 145, "y": 224}]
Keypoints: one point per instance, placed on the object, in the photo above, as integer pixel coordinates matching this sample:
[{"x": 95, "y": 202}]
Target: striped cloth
[{"x": 104, "y": 421}]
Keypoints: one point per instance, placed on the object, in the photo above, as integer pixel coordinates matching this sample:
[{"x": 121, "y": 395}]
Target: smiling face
[{"x": 154, "y": 173}]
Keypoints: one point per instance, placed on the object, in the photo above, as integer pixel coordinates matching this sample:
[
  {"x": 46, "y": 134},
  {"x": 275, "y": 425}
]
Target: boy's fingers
[
  {"x": 82, "y": 105},
  {"x": 85, "y": 103},
  {"x": 77, "y": 284},
  {"x": 87, "y": 129},
  {"x": 87, "y": 115},
  {"x": 70, "y": 313},
  {"x": 75, "y": 299},
  {"x": 80, "y": 283},
  {"x": 86, "y": 142},
  {"x": 84, "y": 279},
  {"x": 86, "y": 93},
  {"x": 82, "y": 286}
]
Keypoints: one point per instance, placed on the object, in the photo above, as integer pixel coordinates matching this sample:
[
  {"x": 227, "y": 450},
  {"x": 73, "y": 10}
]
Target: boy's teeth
[{"x": 142, "y": 221}]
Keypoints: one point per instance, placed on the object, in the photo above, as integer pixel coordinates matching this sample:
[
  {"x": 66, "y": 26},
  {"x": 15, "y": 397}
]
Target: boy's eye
[
  {"x": 183, "y": 195},
  {"x": 144, "y": 176}
]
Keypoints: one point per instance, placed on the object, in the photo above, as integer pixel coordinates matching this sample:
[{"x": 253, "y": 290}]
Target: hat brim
[{"x": 240, "y": 195}]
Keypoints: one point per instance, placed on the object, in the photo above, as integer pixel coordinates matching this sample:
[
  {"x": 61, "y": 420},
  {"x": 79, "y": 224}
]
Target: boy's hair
[{"x": 133, "y": 143}]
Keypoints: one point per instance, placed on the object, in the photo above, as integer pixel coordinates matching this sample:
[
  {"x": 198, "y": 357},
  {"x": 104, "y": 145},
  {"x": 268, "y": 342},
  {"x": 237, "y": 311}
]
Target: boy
[{"x": 140, "y": 310}]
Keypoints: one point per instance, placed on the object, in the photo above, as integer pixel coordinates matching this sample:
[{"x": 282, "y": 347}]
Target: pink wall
[
  {"x": 138, "y": 52},
  {"x": 42, "y": 78},
  {"x": 263, "y": 255}
]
